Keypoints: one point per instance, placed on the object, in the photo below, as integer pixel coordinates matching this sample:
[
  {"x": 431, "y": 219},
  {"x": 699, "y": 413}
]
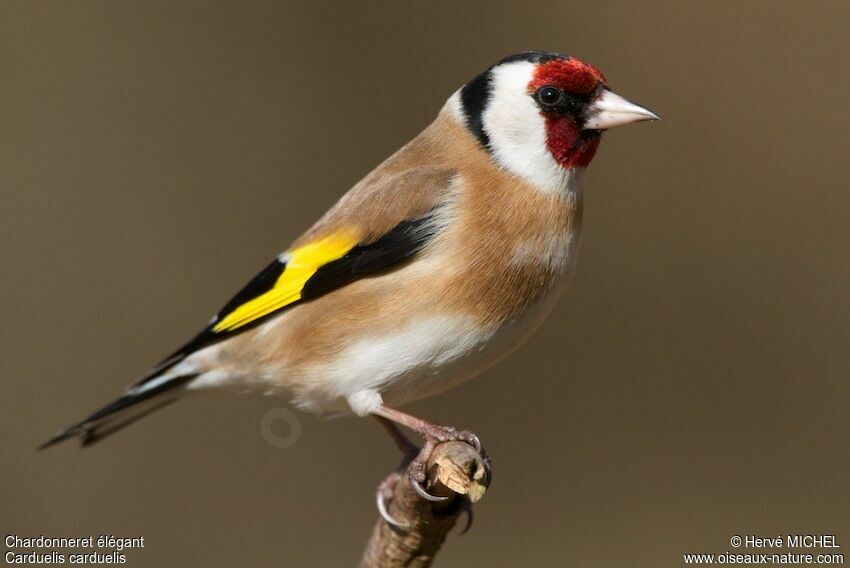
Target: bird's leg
[
  {"x": 408, "y": 448},
  {"x": 428, "y": 430},
  {"x": 411, "y": 451},
  {"x": 433, "y": 434}
]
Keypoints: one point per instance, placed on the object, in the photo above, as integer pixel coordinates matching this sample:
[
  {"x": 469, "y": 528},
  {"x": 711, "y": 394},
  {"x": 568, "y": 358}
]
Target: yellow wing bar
[{"x": 301, "y": 264}]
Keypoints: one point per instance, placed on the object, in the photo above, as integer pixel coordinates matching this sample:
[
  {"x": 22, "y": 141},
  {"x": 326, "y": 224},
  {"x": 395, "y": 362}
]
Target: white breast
[
  {"x": 422, "y": 359},
  {"x": 427, "y": 357}
]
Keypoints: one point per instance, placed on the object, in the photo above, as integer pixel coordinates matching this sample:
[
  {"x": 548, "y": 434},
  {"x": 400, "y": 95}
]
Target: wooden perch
[{"x": 455, "y": 470}]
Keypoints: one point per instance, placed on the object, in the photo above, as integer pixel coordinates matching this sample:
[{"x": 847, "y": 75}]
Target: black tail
[{"x": 120, "y": 413}]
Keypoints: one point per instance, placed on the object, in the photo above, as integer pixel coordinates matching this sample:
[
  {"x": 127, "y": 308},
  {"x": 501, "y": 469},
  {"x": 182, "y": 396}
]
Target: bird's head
[{"x": 541, "y": 113}]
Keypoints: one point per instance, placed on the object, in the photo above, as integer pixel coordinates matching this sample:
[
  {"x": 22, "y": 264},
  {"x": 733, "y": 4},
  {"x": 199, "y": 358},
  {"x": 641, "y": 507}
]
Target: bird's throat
[{"x": 569, "y": 145}]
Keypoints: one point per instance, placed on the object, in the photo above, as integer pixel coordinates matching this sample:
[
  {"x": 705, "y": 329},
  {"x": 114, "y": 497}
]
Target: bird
[{"x": 436, "y": 265}]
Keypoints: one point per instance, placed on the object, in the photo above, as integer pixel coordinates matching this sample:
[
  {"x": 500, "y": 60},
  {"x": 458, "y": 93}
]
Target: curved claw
[
  {"x": 424, "y": 494},
  {"x": 469, "y": 517},
  {"x": 385, "y": 514}
]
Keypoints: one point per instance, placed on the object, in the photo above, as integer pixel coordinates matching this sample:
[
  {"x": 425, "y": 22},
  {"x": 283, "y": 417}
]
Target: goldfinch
[{"x": 436, "y": 265}]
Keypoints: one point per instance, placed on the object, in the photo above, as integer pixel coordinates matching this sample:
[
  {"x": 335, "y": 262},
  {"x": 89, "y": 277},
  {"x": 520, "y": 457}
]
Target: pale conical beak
[{"x": 610, "y": 109}]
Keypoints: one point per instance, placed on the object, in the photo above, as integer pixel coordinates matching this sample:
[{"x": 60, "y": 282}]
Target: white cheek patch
[{"x": 517, "y": 131}]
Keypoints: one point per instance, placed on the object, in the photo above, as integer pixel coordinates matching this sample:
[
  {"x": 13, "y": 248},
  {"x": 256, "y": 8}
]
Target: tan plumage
[
  {"x": 472, "y": 269},
  {"x": 437, "y": 264}
]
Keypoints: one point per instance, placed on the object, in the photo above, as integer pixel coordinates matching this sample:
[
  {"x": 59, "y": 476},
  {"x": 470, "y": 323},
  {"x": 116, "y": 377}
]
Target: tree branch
[{"x": 455, "y": 470}]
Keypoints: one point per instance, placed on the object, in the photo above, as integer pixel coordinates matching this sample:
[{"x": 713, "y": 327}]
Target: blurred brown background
[{"x": 692, "y": 384}]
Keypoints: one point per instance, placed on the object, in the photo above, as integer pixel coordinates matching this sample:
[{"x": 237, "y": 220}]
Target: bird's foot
[
  {"x": 416, "y": 460},
  {"x": 434, "y": 435},
  {"x": 417, "y": 468},
  {"x": 385, "y": 493}
]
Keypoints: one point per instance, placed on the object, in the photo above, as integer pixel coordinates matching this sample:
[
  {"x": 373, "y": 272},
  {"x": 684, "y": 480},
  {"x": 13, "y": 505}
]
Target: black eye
[{"x": 549, "y": 96}]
